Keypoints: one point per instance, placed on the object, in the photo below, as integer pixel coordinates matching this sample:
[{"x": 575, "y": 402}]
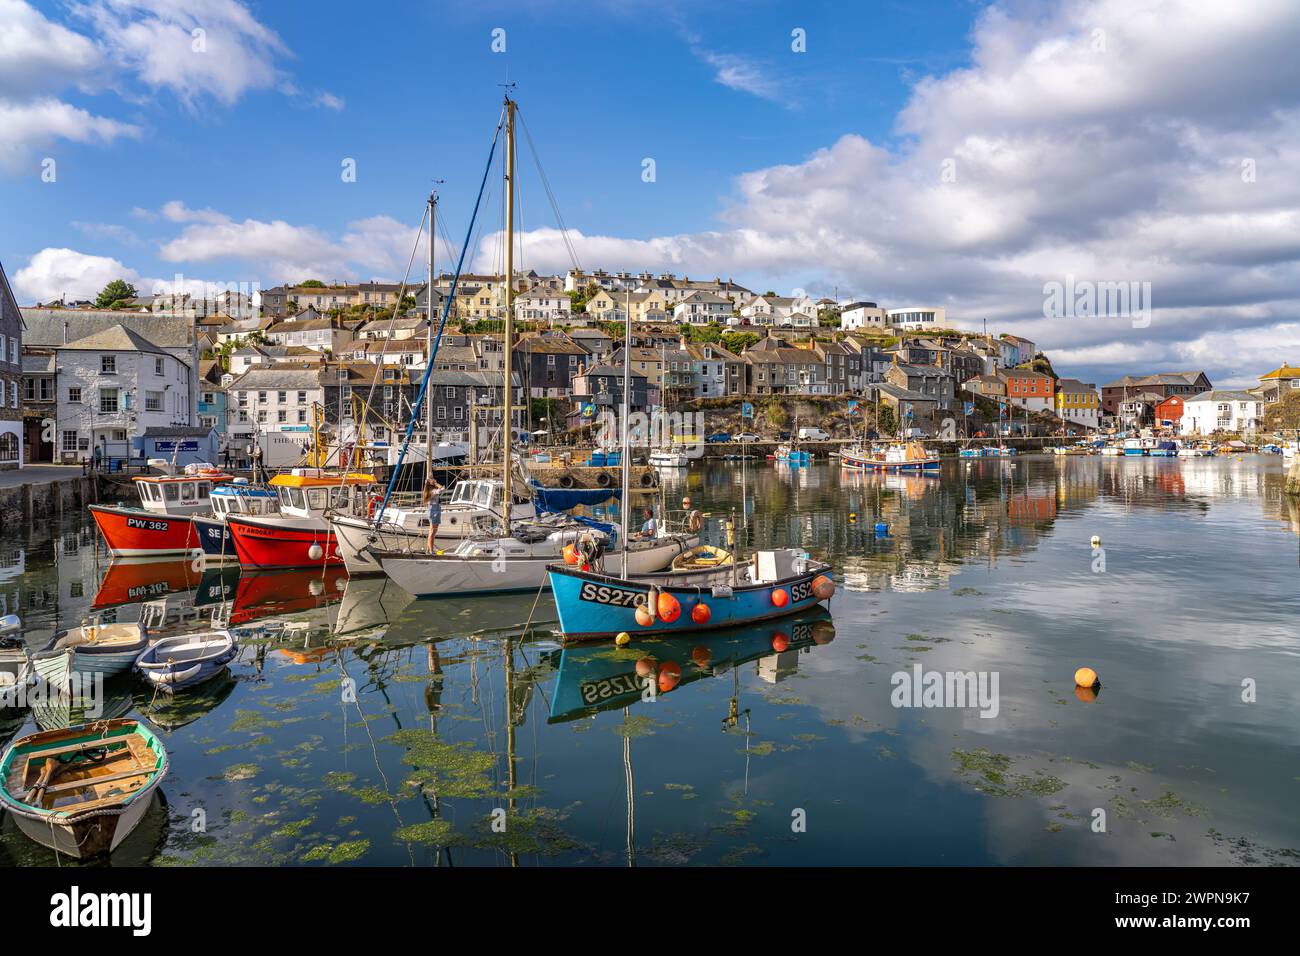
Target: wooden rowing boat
[
  {"x": 81, "y": 791},
  {"x": 90, "y": 649}
]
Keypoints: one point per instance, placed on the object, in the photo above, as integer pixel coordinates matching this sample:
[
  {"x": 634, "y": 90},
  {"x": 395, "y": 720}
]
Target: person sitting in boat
[
  {"x": 433, "y": 501},
  {"x": 648, "y": 529}
]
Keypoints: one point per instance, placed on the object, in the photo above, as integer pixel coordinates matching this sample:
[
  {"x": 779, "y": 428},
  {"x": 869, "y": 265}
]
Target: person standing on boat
[{"x": 433, "y": 500}]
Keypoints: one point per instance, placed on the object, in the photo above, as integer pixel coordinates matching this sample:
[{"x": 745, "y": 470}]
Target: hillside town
[{"x": 130, "y": 377}]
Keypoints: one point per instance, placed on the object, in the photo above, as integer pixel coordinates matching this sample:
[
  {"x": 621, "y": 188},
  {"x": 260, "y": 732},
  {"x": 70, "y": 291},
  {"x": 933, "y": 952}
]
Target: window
[
  {"x": 208, "y": 398},
  {"x": 261, "y": 418},
  {"x": 302, "y": 398},
  {"x": 108, "y": 364},
  {"x": 153, "y": 401},
  {"x": 282, "y": 398},
  {"x": 282, "y": 416},
  {"x": 13, "y": 350},
  {"x": 159, "y": 368},
  {"x": 261, "y": 398},
  {"x": 69, "y": 442},
  {"x": 302, "y": 416},
  {"x": 108, "y": 398},
  {"x": 170, "y": 492}
]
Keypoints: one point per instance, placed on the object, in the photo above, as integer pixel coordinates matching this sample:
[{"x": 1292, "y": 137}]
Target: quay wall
[{"x": 21, "y": 504}]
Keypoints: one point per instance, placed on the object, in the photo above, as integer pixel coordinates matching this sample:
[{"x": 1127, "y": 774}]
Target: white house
[
  {"x": 862, "y": 315},
  {"x": 768, "y": 310},
  {"x": 271, "y": 401},
  {"x": 1221, "y": 410},
  {"x": 702, "y": 308},
  {"x": 543, "y": 305},
  {"x": 917, "y": 318},
  {"x": 115, "y": 385}
]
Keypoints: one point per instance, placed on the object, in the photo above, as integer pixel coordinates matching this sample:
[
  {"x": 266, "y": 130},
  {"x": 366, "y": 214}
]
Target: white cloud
[
  {"x": 40, "y": 123},
  {"x": 33, "y": 50},
  {"x": 55, "y": 273},
  {"x": 371, "y": 247},
  {"x": 194, "y": 48},
  {"x": 1110, "y": 156}
]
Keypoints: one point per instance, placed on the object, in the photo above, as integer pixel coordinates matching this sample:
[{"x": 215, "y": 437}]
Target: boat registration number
[
  {"x": 595, "y": 691},
  {"x": 146, "y": 525},
  {"x": 801, "y": 591},
  {"x": 604, "y": 594}
]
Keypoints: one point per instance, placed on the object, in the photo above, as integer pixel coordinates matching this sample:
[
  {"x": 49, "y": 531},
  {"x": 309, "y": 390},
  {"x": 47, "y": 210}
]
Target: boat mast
[
  {"x": 627, "y": 409},
  {"x": 508, "y": 403},
  {"x": 428, "y": 349}
]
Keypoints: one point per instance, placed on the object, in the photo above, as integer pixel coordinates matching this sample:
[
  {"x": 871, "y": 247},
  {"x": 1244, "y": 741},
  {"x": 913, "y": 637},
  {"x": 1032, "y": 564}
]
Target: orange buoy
[
  {"x": 780, "y": 597},
  {"x": 700, "y": 614},
  {"x": 1086, "y": 677},
  {"x": 670, "y": 675},
  {"x": 669, "y": 607},
  {"x": 643, "y": 616},
  {"x": 823, "y": 587},
  {"x": 701, "y": 655},
  {"x": 780, "y": 642},
  {"x": 570, "y": 554},
  {"x": 645, "y": 667},
  {"x": 823, "y": 632}
]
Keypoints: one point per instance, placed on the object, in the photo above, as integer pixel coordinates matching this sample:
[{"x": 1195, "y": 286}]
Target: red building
[{"x": 1169, "y": 412}]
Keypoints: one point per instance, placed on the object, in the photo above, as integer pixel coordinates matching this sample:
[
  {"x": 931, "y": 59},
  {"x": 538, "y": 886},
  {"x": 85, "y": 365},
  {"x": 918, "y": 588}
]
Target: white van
[{"x": 813, "y": 434}]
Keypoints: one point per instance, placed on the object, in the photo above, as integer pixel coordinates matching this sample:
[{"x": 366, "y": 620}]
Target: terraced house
[{"x": 11, "y": 377}]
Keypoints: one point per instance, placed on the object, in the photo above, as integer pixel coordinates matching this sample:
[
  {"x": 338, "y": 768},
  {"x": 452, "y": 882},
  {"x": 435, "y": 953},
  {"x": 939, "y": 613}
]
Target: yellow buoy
[
  {"x": 1096, "y": 541},
  {"x": 1086, "y": 677},
  {"x": 623, "y": 638}
]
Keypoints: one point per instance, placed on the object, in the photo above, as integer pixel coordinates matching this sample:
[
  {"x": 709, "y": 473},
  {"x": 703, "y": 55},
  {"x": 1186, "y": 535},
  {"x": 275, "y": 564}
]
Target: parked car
[
  {"x": 745, "y": 436},
  {"x": 813, "y": 434},
  {"x": 782, "y": 436},
  {"x": 718, "y": 437}
]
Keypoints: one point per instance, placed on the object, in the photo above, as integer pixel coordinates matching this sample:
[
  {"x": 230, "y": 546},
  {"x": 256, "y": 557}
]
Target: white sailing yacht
[{"x": 517, "y": 561}]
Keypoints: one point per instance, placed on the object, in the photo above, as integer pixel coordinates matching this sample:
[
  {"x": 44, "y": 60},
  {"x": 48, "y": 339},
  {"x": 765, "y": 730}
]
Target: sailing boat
[
  {"x": 517, "y": 560},
  {"x": 404, "y": 525}
]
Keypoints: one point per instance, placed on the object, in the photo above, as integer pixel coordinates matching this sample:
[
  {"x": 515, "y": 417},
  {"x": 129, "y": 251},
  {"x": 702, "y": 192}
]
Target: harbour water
[{"x": 358, "y": 726}]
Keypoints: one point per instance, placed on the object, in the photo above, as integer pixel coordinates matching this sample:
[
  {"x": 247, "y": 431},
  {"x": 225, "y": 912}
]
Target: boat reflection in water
[
  {"x": 591, "y": 679},
  {"x": 167, "y": 596},
  {"x": 170, "y": 712}
]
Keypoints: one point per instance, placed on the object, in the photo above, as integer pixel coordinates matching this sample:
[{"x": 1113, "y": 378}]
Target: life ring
[
  {"x": 694, "y": 522},
  {"x": 603, "y": 480},
  {"x": 566, "y": 480},
  {"x": 370, "y": 508}
]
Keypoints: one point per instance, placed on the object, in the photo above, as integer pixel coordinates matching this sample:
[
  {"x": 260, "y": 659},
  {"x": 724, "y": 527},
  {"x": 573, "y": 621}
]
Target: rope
[{"x": 442, "y": 325}]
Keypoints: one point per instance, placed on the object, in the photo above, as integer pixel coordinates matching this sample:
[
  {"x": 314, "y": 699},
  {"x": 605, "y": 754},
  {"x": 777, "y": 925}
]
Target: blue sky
[{"x": 1085, "y": 138}]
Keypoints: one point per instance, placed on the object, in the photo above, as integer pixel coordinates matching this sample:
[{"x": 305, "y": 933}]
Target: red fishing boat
[
  {"x": 160, "y": 525},
  {"x": 299, "y": 536}
]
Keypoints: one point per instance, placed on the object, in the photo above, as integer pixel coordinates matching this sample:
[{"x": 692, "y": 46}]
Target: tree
[
  {"x": 737, "y": 342},
  {"x": 311, "y": 284},
  {"x": 886, "y": 420},
  {"x": 116, "y": 291}
]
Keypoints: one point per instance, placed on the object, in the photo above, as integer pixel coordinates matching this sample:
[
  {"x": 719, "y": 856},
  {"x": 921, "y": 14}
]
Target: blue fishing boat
[
  {"x": 1164, "y": 449},
  {"x": 792, "y": 455},
  {"x": 236, "y": 497},
  {"x": 970, "y": 453},
  {"x": 594, "y": 605}
]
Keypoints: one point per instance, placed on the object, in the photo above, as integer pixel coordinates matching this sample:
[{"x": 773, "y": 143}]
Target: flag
[
  {"x": 970, "y": 408},
  {"x": 746, "y": 410},
  {"x": 588, "y": 410},
  {"x": 853, "y": 405}
]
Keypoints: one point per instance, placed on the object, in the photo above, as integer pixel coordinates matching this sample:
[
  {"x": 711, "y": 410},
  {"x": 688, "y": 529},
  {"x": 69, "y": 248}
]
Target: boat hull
[
  {"x": 865, "y": 463},
  {"x": 595, "y": 606},
  {"x": 214, "y": 538},
  {"x": 134, "y": 532},
  {"x": 102, "y": 825},
  {"x": 451, "y": 575},
  {"x": 280, "y": 544}
]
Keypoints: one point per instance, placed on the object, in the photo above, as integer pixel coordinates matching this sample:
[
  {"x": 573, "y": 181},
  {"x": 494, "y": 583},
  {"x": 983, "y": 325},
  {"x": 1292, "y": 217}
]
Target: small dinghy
[
  {"x": 705, "y": 557},
  {"x": 15, "y": 664},
  {"x": 81, "y": 791},
  {"x": 177, "y": 662},
  {"x": 87, "y": 650}
]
